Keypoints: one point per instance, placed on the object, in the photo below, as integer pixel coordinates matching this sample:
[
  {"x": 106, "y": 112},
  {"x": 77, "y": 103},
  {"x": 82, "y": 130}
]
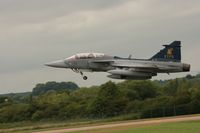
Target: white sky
[{"x": 33, "y": 32}]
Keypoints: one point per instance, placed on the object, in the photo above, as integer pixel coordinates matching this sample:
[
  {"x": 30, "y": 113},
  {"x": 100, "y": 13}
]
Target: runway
[{"x": 135, "y": 123}]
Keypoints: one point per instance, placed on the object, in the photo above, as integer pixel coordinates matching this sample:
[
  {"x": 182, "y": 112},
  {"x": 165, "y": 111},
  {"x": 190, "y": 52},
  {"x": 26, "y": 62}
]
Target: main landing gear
[{"x": 78, "y": 71}]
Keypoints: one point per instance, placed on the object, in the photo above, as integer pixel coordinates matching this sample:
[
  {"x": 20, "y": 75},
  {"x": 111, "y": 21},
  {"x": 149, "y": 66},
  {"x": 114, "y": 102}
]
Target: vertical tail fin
[{"x": 171, "y": 52}]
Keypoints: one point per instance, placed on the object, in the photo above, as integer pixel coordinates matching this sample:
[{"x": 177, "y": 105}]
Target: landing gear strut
[{"x": 78, "y": 71}]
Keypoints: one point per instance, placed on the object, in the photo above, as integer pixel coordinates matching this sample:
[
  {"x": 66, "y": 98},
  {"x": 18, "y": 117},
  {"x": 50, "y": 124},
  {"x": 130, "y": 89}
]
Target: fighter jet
[{"x": 167, "y": 60}]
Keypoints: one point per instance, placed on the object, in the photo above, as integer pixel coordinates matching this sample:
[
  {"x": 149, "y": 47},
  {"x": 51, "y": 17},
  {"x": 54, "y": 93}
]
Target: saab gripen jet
[{"x": 167, "y": 60}]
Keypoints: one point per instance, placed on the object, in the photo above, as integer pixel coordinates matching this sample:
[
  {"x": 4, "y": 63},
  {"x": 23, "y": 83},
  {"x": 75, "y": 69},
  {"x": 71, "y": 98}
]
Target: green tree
[
  {"x": 195, "y": 100},
  {"x": 109, "y": 101},
  {"x": 54, "y": 86},
  {"x": 171, "y": 87},
  {"x": 139, "y": 90},
  {"x": 15, "y": 112}
]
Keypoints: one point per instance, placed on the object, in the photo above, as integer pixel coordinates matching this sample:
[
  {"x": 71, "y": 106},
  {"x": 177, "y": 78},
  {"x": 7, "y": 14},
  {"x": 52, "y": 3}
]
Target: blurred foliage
[
  {"x": 53, "y": 86},
  {"x": 138, "y": 99}
]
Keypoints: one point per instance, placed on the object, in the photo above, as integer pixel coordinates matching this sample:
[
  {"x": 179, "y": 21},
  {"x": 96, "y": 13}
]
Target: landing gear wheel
[
  {"x": 85, "y": 77},
  {"x": 78, "y": 71}
]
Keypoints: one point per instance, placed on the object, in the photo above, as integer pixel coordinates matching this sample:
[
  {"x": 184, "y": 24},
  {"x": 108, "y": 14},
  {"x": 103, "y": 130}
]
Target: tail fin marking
[{"x": 171, "y": 52}]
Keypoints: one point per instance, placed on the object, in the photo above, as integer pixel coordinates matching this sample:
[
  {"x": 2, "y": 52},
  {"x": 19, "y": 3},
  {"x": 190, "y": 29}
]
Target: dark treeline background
[{"x": 133, "y": 99}]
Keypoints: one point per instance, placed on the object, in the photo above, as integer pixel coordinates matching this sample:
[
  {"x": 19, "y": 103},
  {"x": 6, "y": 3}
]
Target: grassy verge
[
  {"x": 178, "y": 127},
  {"x": 45, "y": 125}
]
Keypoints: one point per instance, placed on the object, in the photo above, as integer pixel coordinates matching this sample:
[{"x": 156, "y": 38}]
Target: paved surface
[{"x": 130, "y": 123}]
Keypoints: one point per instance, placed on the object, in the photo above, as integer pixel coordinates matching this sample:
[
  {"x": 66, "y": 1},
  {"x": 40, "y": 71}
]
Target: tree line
[{"x": 139, "y": 99}]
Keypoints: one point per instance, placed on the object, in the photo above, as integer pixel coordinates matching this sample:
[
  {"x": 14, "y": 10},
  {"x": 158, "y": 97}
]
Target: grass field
[
  {"x": 178, "y": 127},
  {"x": 156, "y": 125}
]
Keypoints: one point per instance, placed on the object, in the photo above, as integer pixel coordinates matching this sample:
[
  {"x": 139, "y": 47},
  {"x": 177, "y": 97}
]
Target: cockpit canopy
[{"x": 86, "y": 56}]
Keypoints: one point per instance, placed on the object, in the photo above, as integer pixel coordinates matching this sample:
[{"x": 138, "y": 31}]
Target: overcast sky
[{"x": 33, "y": 32}]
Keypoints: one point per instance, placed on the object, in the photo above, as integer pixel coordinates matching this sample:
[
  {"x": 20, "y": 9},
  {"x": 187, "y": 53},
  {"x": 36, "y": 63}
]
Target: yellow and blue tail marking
[{"x": 171, "y": 52}]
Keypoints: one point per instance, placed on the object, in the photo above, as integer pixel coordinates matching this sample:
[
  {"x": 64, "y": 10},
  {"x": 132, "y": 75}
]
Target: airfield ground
[
  {"x": 174, "y": 127},
  {"x": 184, "y": 124}
]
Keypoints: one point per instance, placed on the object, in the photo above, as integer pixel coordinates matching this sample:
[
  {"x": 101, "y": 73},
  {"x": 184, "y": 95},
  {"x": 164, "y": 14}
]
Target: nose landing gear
[
  {"x": 78, "y": 71},
  {"x": 85, "y": 77}
]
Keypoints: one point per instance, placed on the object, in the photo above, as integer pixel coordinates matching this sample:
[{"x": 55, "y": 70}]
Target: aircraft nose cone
[{"x": 58, "y": 63}]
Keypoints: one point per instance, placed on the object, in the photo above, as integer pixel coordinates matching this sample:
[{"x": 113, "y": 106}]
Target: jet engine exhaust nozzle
[{"x": 186, "y": 67}]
